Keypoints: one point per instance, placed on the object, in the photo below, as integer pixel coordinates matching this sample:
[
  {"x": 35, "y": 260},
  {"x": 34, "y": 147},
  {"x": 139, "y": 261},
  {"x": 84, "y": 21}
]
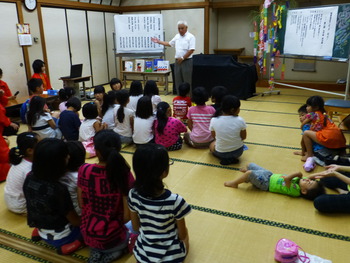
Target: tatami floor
[{"x": 226, "y": 225}]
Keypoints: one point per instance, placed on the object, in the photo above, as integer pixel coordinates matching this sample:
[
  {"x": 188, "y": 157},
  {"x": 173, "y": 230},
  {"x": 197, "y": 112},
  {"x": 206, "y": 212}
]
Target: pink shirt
[
  {"x": 171, "y": 132},
  {"x": 201, "y": 116},
  {"x": 102, "y": 223}
]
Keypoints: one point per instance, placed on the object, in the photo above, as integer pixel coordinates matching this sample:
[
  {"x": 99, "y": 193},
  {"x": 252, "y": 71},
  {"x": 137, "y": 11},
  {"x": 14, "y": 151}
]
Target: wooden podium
[{"x": 74, "y": 83}]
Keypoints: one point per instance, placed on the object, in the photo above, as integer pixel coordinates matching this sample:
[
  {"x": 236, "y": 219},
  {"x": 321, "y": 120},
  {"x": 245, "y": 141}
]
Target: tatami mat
[{"x": 226, "y": 225}]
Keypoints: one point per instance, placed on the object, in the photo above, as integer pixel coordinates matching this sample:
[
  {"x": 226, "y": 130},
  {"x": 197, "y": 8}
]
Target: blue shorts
[
  {"x": 229, "y": 155},
  {"x": 259, "y": 176}
]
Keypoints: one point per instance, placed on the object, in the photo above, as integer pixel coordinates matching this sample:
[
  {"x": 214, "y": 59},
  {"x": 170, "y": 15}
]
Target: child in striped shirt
[{"x": 156, "y": 212}]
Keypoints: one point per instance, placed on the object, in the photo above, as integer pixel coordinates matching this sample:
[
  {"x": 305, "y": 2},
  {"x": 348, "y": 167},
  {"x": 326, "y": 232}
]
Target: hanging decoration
[{"x": 266, "y": 40}]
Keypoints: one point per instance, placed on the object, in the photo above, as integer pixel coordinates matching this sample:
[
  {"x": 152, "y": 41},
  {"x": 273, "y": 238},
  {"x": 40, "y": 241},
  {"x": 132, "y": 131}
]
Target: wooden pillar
[
  {"x": 206, "y": 26},
  {"x": 24, "y": 48}
]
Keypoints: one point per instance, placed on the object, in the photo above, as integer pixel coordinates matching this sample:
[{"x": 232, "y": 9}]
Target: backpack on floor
[
  {"x": 23, "y": 111},
  {"x": 287, "y": 251}
]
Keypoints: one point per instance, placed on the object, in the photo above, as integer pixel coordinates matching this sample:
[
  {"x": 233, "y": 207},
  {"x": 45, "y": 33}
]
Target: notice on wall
[
  {"x": 24, "y": 36},
  {"x": 133, "y": 33},
  {"x": 311, "y": 31}
]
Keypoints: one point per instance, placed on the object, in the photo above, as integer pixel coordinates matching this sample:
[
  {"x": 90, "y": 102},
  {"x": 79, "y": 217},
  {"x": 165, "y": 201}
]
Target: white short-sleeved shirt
[
  {"x": 87, "y": 130},
  {"x": 133, "y": 102},
  {"x": 155, "y": 100},
  {"x": 124, "y": 128},
  {"x": 183, "y": 43},
  {"x": 14, "y": 197},
  {"x": 143, "y": 132},
  {"x": 70, "y": 179},
  {"x": 108, "y": 118},
  {"x": 47, "y": 132},
  {"x": 228, "y": 132}
]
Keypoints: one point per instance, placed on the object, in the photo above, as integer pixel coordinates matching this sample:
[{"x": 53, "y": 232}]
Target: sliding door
[{"x": 11, "y": 54}]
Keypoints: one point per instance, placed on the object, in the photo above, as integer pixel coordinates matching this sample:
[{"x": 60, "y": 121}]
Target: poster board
[
  {"x": 320, "y": 31},
  {"x": 133, "y": 33}
]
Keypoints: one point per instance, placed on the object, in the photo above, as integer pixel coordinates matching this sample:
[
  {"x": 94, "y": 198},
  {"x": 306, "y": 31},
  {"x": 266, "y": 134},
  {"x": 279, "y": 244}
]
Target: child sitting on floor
[
  {"x": 99, "y": 92},
  {"x": 182, "y": 102},
  {"x": 89, "y": 127},
  {"x": 143, "y": 122},
  {"x": 135, "y": 93},
  {"x": 102, "y": 193},
  {"x": 40, "y": 121},
  {"x": 229, "y": 130},
  {"x": 123, "y": 118},
  {"x": 292, "y": 185},
  {"x": 302, "y": 111},
  {"x": 199, "y": 117},
  {"x": 156, "y": 212},
  {"x": 115, "y": 84},
  {"x": 151, "y": 90},
  {"x": 217, "y": 94},
  {"x": 76, "y": 152},
  {"x": 167, "y": 129},
  {"x": 109, "y": 103},
  {"x": 69, "y": 121},
  {"x": 64, "y": 95},
  {"x": 21, "y": 158},
  {"x": 322, "y": 130},
  {"x": 49, "y": 205}
]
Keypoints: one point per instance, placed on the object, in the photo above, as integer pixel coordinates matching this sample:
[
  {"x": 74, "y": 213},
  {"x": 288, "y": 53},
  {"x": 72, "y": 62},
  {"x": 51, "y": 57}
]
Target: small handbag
[{"x": 287, "y": 251}]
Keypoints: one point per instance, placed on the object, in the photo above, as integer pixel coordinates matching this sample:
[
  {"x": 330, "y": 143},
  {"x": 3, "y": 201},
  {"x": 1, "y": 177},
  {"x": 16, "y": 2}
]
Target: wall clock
[{"x": 30, "y": 4}]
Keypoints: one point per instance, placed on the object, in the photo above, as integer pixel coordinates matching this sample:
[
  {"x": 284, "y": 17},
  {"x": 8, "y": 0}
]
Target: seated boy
[
  {"x": 182, "y": 102},
  {"x": 217, "y": 94},
  {"x": 292, "y": 185}
]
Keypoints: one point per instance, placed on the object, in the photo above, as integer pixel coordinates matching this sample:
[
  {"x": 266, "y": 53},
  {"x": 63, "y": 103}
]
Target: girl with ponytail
[
  {"x": 21, "y": 158},
  {"x": 168, "y": 129},
  {"x": 102, "y": 196},
  {"x": 123, "y": 118}
]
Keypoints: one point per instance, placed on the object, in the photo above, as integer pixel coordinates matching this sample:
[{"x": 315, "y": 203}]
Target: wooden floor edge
[{"x": 30, "y": 250}]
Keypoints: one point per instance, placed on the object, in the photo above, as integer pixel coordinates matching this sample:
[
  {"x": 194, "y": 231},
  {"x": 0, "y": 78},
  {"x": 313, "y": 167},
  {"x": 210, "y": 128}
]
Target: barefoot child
[{"x": 292, "y": 185}]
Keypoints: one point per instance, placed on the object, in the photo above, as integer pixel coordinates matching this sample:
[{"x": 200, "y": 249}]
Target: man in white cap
[{"x": 185, "y": 44}]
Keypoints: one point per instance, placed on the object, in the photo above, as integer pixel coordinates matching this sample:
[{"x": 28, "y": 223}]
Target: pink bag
[{"x": 287, "y": 251}]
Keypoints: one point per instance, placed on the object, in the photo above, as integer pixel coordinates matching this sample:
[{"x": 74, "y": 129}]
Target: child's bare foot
[
  {"x": 341, "y": 191},
  {"x": 231, "y": 184},
  {"x": 304, "y": 158},
  {"x": 243, "y": 169},
  {"x": 298, "y": 153}
]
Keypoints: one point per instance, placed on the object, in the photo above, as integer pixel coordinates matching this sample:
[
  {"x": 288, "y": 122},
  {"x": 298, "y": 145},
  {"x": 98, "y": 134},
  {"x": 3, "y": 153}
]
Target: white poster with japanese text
[
  {"x": 311, "y": 31},
  {"x": 133, "y": 33}
]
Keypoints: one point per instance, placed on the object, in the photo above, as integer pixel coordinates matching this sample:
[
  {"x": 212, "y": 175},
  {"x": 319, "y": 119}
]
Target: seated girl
[
  {"x": 40, "y": 121},
  {"x": 21, "y": 158},
  {"x": 49, "y": 205},
  {"x": 199, "y": 119},
  {"x": 167, "y": 129}
]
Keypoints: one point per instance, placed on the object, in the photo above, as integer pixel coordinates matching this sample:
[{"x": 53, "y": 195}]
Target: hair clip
[{"x": 30, "y": 135}]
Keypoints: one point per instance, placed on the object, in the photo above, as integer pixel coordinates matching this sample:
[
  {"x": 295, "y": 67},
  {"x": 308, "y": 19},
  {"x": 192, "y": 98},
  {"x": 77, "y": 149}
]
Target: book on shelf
[
  {"x": 128, "y": 66},
  {"x": 163, "y": 65},
  {"x": 148, "y": 66},
  {"x": 155, "y": 63},
  {"x": 139, "y": 65}
]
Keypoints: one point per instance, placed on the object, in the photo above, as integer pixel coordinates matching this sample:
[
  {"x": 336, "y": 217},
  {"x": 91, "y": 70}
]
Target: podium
[{"x": 74, "y": 83}]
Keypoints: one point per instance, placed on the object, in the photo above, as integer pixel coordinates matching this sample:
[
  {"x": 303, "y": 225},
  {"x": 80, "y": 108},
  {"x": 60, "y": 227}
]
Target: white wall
[{"x": 11, "y": 55}]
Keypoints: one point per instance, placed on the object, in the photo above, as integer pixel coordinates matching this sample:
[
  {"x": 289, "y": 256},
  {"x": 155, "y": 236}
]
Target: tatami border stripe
[
  {"x": 24, "y": 254},
  {"x": 265, "y": 111},
  {"x": 276, "y": 126},
  {"x": 272, "y": 223},
  {"x": 42, "y": 244}
]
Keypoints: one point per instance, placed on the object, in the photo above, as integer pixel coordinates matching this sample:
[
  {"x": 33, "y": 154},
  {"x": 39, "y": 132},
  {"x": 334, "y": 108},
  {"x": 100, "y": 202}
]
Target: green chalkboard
[{"x": 342, "y": 33}]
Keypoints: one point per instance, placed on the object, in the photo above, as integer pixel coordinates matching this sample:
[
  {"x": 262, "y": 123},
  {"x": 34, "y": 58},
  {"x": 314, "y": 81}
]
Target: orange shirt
[{"x": 44, "y": 78}]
